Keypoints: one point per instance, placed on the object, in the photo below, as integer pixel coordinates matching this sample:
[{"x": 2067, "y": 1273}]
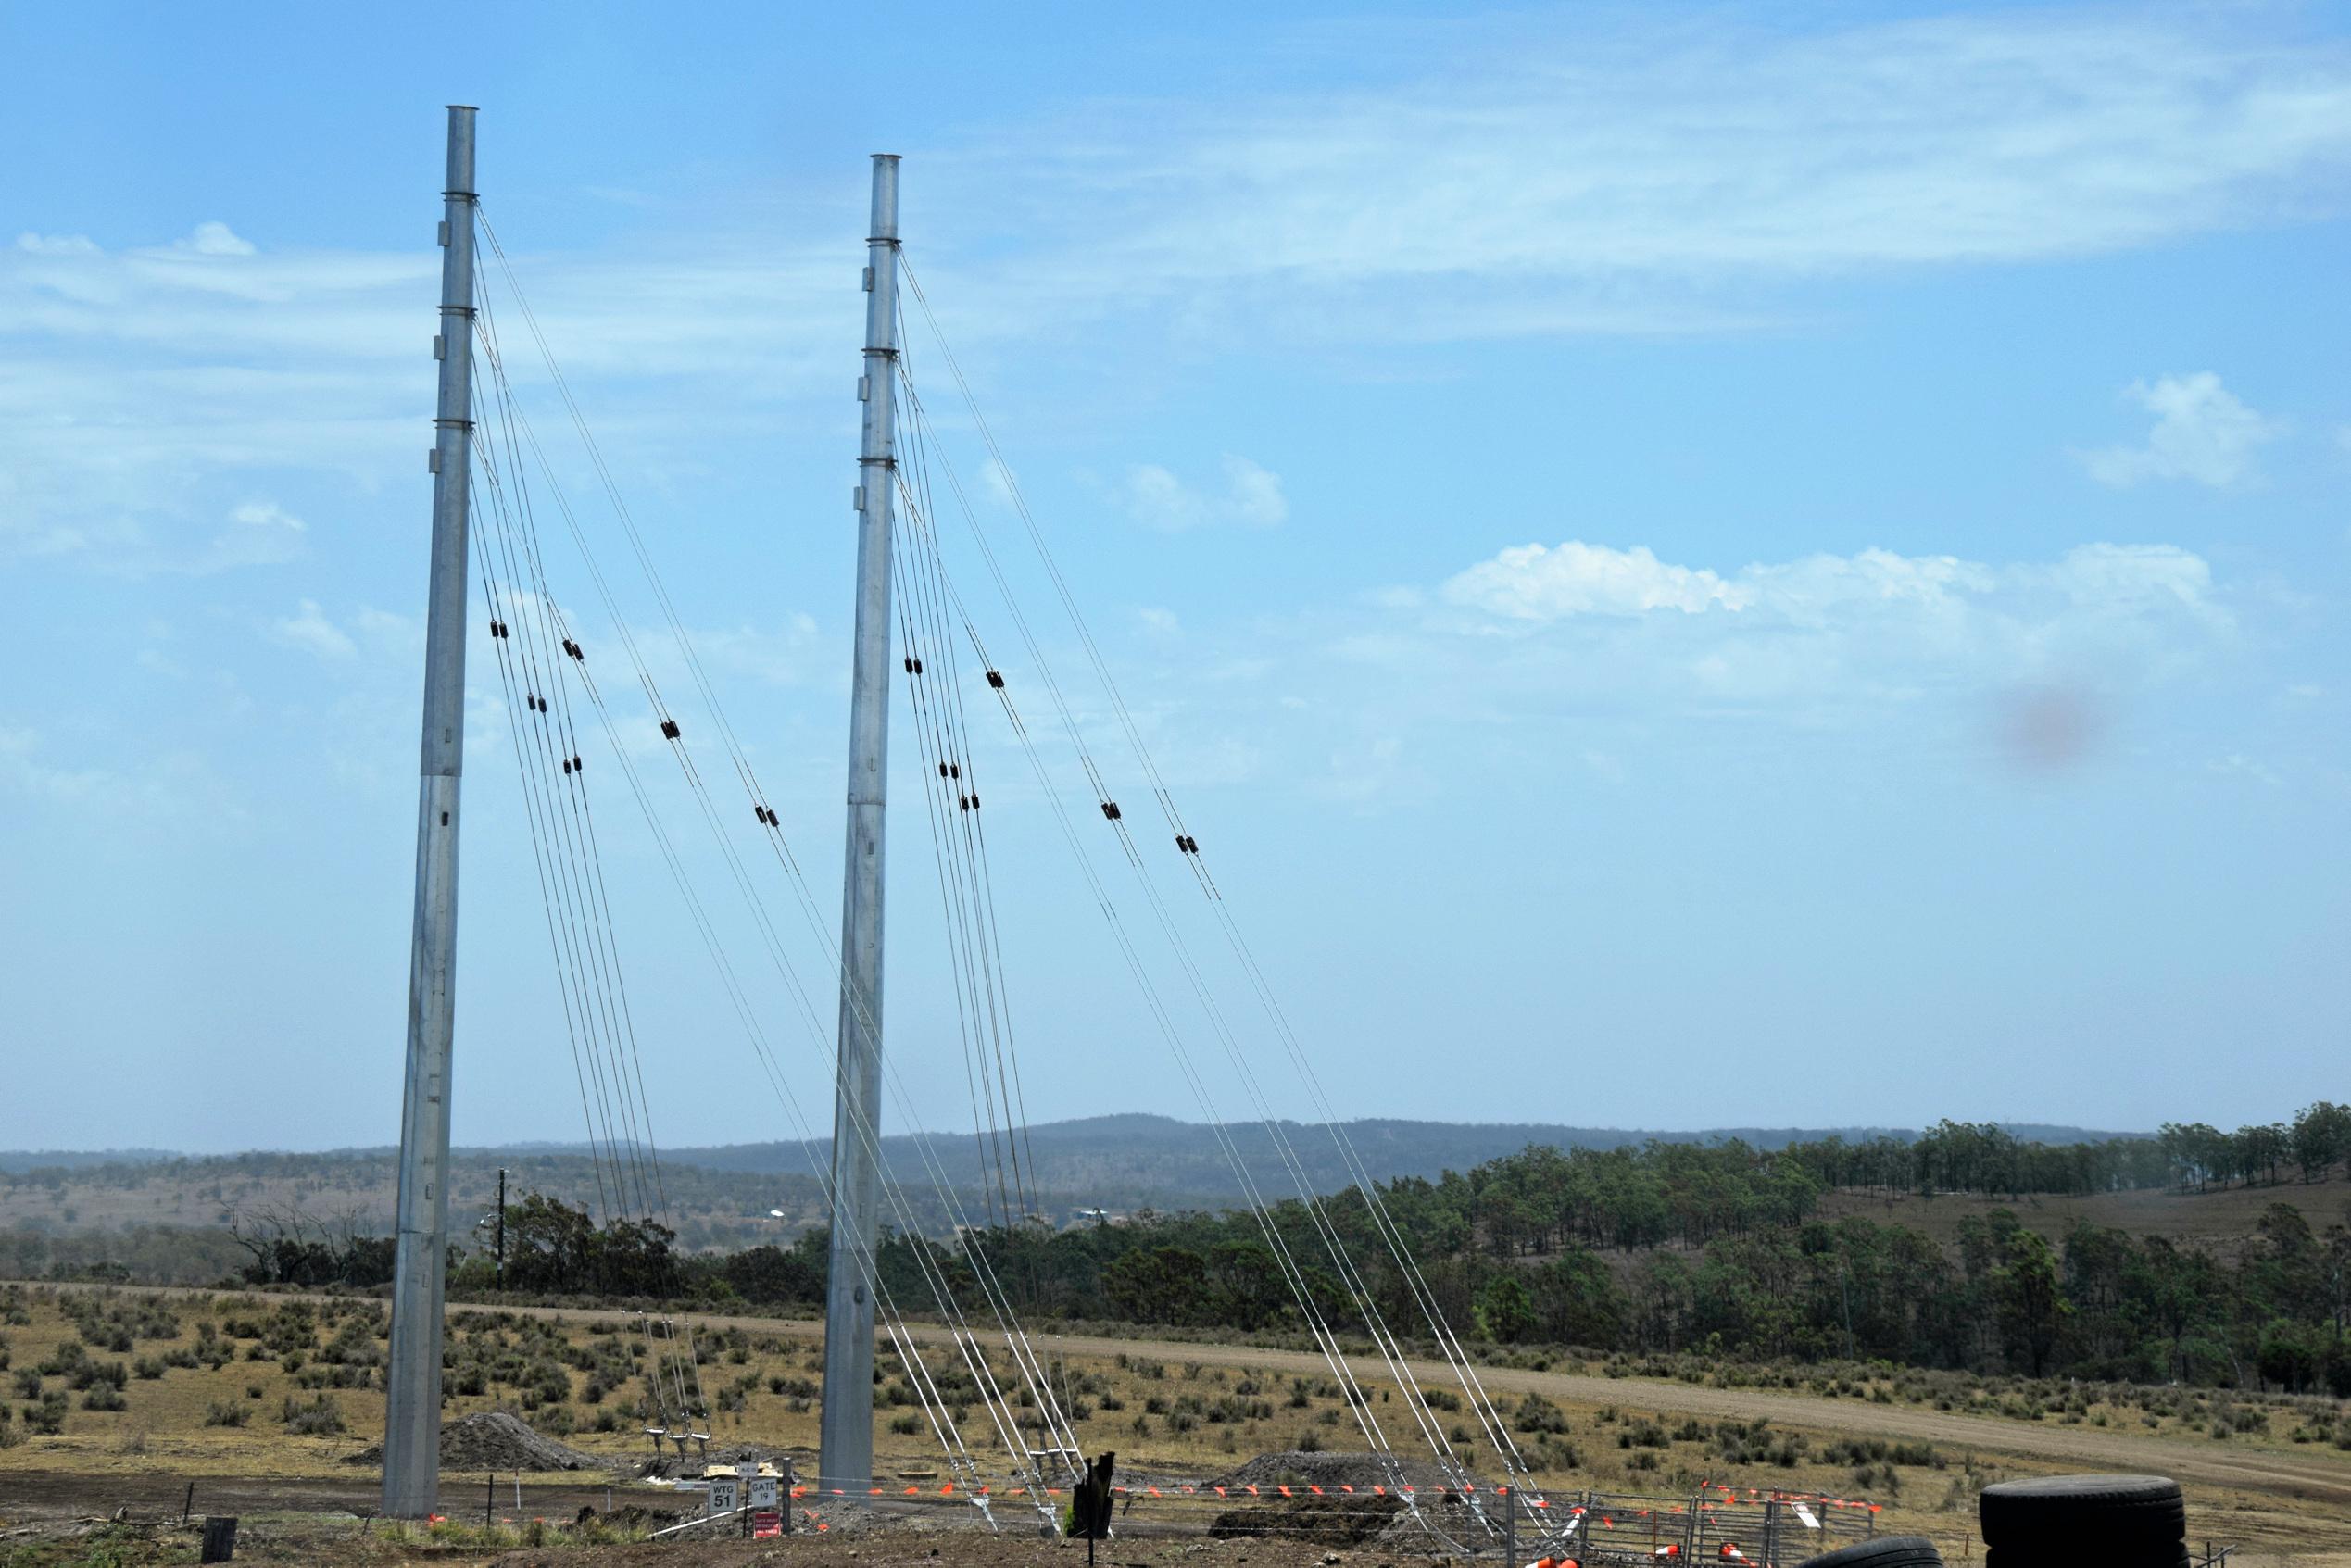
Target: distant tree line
[
  {"x": 1717, "y": 1249},
  {"x": 1983, "y": 1158}
]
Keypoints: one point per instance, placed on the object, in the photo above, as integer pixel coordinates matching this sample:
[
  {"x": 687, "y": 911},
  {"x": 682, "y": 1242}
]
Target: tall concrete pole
[
  {"x": 844, "y": 1457},
  {"x": 412, "y": 1413}
]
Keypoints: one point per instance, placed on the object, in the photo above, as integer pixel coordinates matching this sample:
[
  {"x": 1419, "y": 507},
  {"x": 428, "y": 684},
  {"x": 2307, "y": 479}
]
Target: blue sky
[{"x": 1688, "y": 566}]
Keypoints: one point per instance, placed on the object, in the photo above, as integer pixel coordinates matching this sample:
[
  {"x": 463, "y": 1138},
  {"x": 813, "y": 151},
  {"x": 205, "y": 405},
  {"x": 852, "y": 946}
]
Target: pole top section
[
  {"x": 885, "y": 220},
  {"x": 460, "y": 179}
]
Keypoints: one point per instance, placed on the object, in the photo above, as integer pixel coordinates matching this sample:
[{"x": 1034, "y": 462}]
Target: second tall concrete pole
[
  {"x": 413, "y": 1381},
  {"x": 845, "y": 1431}
]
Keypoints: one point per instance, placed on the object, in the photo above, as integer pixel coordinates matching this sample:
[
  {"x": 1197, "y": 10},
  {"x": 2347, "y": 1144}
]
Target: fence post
[
  {"x": 1509, "y": 1527},
  {"x": 1771, "y": 1530},
  {"x": 489, "y": 1498}
]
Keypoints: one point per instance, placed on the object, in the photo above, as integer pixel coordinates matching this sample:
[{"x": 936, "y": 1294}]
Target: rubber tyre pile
[
  {"x": 1884, "y": 1551},
  {"x": 2117, "y": 1521},
  {"x": 2058, "y": 1522}
]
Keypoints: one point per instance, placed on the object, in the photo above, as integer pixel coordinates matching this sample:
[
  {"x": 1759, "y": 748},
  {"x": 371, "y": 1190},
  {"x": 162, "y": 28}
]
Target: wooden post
[
  {"x": 489, "y": 1498},
  {"x": 188, "y": 1505},
  {"x": 1510, "y": 1528},
  {"x": 220, "y": 1541}
]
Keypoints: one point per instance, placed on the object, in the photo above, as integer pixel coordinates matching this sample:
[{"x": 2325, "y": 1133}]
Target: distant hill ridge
[{"x": 1137, "y": 1158}]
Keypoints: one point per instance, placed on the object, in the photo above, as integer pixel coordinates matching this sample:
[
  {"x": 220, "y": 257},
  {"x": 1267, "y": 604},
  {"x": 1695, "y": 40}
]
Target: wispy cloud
[
  {"x": 138, "y": 374},
  {"x": 174, "y": 787},
  {"x": 1504, "y": 180},
  {"x": 2201, "y": 432},
  {"x": 309, "y": 629},
  {"x": 257, "y": 534},
  {"x": 1250, "y": 496},
  {"x": 1526, "y": 183}
]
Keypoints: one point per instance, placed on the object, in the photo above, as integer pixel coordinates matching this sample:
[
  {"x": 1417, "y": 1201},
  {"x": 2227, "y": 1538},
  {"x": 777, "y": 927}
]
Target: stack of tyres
[
  {"x": 1885, "y": 1551},
  {"x": 2113, "y": 1521}
]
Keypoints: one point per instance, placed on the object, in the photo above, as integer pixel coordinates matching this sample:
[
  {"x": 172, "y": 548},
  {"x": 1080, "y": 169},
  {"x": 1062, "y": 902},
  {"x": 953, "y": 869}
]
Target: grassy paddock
[{"x": 233, "y": 1385}]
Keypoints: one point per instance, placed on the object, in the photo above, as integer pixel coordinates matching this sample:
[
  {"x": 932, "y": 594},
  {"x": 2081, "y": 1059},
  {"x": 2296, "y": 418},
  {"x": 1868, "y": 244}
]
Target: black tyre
[
  {"x": 2141, "y": 1518},
  {"x": 1885, "y": 1551},
  {"x": 2113, "y": 1554}
]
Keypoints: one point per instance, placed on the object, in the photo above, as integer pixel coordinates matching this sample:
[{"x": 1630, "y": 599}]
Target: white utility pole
[
  {"x": 844, "y": 1457},
  {"x": 412, "y": 1408}
]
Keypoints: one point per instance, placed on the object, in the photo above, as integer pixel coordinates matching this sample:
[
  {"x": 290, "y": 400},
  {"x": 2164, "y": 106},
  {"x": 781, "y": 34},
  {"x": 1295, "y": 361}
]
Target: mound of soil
[
  {"x": 1332, "y": 1470},
  {"x": 1329, "y": 1520},
  {"x": 495, "y": 1441}
]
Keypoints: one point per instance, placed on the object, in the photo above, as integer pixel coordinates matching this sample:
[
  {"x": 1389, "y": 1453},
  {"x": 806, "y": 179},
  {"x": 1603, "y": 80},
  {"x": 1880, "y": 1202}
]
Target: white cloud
[
  {"x": 1505, "y": 180},
  {"x": 309, "y": 629},
  {"x": 2203, "y": 433},
  {"x": 215, "y": 239},
  {"x": 172, "y": 786},
  {"x": 998, "y": 483},
  {"x": 1537, "y": 584},
  {"x": 21, "y": 768},
  {"x": 1521, "y": 177},
  {"x": 1252, "y": 497},
  {"x": 141, "y": 372},
  {"x": 2236, "y": 764},
  {"x": 1805, "y": 639},
  {"x": 1254, "y": 494},
  {"x": 1533, "y": 583},
  {"x": 56, "y": 244},
  {"x": 258, "y": 534},
  {"x": 785, "y": 655}
]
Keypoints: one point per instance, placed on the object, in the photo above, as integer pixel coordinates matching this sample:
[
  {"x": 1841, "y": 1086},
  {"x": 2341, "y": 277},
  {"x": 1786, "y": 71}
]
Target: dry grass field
[{"x": 218, "y": 1388}]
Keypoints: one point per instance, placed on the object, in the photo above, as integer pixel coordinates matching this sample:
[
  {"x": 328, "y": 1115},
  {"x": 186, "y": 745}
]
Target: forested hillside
[{"x": 1719, "y": 1250}]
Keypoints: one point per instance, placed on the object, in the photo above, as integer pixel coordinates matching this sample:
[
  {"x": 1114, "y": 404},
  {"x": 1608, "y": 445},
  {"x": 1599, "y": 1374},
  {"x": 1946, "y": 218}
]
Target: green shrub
[
  {"x": 320, "y": 1418},
  {"x": 225, "y": 1413}
]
